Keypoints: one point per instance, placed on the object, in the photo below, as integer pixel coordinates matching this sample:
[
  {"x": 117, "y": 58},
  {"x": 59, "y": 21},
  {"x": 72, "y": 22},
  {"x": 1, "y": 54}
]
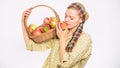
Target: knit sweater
[{"x": 75, "y": 59}]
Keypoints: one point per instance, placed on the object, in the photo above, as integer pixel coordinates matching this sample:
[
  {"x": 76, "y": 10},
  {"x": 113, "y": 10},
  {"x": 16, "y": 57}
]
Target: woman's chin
[{"x": 69, "y": 28}]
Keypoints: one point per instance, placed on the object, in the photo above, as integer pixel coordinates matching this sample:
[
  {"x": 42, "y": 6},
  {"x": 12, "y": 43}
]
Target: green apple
[{"x": 46, "y": 27}]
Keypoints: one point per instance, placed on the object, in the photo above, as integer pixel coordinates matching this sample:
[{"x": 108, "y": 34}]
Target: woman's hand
[
  {"x": 27, "y": 12},
  {"x": 62, "y": 34},
  {"x": 25, "y": 15}
]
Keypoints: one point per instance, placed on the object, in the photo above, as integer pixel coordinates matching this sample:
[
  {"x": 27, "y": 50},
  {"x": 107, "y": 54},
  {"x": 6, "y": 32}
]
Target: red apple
[
  {"x": 36, "y": 32},
  {"x": 41, "y": 29},
  {"x": 46, "y": 27},
  {"x": 47, "y": 20},
  {"x": 63, "y": 25},
  {"x": 31, "y": 28}
]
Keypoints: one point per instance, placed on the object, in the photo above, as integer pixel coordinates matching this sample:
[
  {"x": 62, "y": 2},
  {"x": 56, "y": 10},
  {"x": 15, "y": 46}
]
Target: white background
[{"x": 103, "y": 26}]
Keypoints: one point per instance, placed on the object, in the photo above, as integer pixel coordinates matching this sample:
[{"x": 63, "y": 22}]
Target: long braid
[
  {"x": 74, "y": 39},
  {"x": 79, "y": 29}
]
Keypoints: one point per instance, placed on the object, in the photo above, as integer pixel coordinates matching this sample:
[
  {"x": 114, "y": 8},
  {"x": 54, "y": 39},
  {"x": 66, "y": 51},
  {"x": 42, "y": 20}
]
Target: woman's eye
[
  {"x": 65, "y": 16},
  {"x": 71, "y": 18}
]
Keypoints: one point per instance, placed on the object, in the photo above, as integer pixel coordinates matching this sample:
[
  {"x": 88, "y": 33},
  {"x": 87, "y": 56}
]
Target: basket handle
[{"x": 41, "y": 5}]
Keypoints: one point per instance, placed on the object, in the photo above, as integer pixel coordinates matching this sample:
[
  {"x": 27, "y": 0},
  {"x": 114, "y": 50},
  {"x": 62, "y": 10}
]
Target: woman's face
[{"x": 72, "y": 18}]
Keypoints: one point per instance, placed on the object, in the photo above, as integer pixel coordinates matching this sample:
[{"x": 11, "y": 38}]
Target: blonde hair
[{"x": 80, "y": 7}]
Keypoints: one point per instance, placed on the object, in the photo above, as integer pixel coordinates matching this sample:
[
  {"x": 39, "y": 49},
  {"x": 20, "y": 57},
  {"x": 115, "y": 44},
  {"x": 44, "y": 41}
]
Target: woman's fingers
[
  {"x": 66, "y": 33},
  {"x": 59, "y": 27},
  {"x": 57, "y": 30},
  {"x": 27, "y": 12}
]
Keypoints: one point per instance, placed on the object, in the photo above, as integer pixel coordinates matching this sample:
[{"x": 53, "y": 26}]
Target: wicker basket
[{"x": 44, "y": 36}]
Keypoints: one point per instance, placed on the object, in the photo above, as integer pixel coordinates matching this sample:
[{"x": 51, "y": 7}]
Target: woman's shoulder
[
  {"x": 85, "y": 35},
  {"x": 83, "y": 41}
]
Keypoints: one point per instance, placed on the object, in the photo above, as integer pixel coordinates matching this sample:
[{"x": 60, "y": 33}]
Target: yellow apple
[
  {"x": 53, "y": 24},
  {"x": 53, "y": 21},
  {"x": 52, "y": 18},
  {"x": 32, "y": 27}
]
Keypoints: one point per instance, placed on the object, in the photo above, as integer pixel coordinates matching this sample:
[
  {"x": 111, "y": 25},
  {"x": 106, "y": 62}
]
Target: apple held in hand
[
  {"x": 32, "y": 27},
  {"x": 63, "y": 25},
  {"x": 36, "y": 32}
]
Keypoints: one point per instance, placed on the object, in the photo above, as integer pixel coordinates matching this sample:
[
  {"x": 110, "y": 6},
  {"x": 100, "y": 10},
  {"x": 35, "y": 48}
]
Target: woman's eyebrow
[{"x": 71, "y": 16}]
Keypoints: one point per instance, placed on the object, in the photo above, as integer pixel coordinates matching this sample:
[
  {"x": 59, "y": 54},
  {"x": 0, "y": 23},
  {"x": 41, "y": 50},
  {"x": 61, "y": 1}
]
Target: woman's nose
[{"x": 66, "y": 19}]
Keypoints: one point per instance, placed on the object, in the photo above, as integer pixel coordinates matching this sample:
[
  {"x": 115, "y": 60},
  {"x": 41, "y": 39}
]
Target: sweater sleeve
[
  {"x": 81, "y": 51},
  {"x": 32, "y": 46}
]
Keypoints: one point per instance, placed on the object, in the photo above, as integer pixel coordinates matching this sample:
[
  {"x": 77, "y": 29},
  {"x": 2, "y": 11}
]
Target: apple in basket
[
  {"x": 63, "y": 25},
  {"x": 36, "y": 32},
  {"x": 53, "y": 22},
  {"x": 31, "y": 27},
  {"x": 46, "y": 27},
  {"x": 53, "y": 18},
  {"x": 41, "y": 29},
  {"x": 47, "y": 20}
]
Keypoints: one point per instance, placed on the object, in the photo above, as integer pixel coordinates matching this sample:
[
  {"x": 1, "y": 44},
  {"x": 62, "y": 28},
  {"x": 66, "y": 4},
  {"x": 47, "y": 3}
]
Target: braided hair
[{"x": 77, "y": 33}]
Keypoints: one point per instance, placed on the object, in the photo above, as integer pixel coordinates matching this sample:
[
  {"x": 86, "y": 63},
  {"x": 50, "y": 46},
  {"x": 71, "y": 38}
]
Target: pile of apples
[{"x": 48, "y": 23}]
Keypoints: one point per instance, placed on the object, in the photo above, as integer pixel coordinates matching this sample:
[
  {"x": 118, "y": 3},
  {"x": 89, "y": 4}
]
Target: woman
[{"x": 73, "y": 47}]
